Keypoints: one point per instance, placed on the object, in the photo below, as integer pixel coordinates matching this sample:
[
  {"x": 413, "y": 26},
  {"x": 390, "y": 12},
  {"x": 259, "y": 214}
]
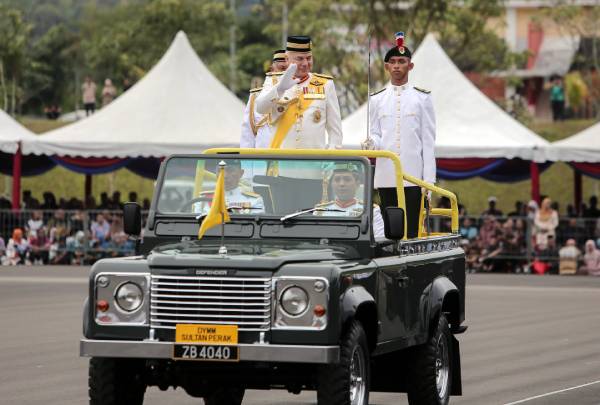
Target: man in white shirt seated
[
  {"x": 345, "y": 181},
  {"x": 239, "y": 200}
]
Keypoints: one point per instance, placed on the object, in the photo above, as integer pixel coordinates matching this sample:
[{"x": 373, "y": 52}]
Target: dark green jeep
[{"x": 302, "y": 289}]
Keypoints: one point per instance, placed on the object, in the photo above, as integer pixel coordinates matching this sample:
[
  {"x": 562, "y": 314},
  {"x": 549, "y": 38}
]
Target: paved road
[{"x": 528, "y": 336}]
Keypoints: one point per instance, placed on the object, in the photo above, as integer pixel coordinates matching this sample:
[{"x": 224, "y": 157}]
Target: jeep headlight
[
  {"x": 300, "y": 303},
  {"x": 129, "y": 296},
  {"x": 294, "y": 300}
]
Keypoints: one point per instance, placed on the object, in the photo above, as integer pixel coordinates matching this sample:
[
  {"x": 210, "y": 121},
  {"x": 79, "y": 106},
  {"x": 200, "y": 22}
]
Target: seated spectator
[
  {"x": 492, "y": 210},
  {"x": 75, "y": 245},
  {"x": 572, "y": 230},
  {"x": 34, "y": 223},
  {"x": 17, "y": 250},
  {"x": 40, "y": 247},
  {"x": 591, "y": 259},
  {"x": 569, "y": 257},
  {"x": 592, "y": 211},
  {"x": 546, "y": 259},
  {"x": 100, "y": 232},
  {"x": 545, "y": 221},
  {"x": 59, "y": 253},
  {"x": 512, "y": 246},
  {"x": 468, "y": 230},
  {"x": 490, "y": 229},
  {"x": 58, "y": 225},
  {"x": 489, "y": 256},
  {"x": 519, "y": 210}
]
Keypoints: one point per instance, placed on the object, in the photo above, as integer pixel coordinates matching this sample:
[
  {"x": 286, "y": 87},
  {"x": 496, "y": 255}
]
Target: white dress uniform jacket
[
  {"x": 308, "y": 132},
  {"x": 402, "y": 121},
  {"x": 353, "y": 210},
  {"x": 242, "y": 202},
  {"x": 262, "y": 138}
]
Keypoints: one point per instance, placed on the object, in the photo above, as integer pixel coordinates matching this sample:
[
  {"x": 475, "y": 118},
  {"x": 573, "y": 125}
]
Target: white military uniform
[
  {"x": 353, "y": 209},
  {"x": 308, "y": 130},
  {"x": 242, "y": 202},
  {"x": 402, "y": 121},
  {"x": 256, "y": 132}
]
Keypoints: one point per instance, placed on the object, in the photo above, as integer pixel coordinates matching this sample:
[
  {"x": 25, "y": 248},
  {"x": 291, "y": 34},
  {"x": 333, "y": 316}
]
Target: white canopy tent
[
  {"x": 469, "y": 124},
  {"x": 11, "y": 133},
  {"x": 178, "y": 107},
  {"x": 581, "y": 147}
]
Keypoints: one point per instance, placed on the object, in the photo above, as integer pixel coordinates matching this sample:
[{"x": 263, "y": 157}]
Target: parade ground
[{"x": 531, "y": 340}]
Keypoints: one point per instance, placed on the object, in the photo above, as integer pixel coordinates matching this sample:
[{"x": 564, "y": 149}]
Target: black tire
[
  {"x": 337, "y": 381},
  {"x": 430, "y": 372},
  {"x": 115, "y": 382},
  {"x": 225, "y": 396}
]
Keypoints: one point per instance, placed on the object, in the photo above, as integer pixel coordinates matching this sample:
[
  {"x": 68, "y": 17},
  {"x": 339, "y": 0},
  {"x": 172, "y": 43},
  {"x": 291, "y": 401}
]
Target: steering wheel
[{"x": 186, "y": 206}]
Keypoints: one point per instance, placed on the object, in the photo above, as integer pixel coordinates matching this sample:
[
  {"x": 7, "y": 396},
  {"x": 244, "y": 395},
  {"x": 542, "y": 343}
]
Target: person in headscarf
[
  {"x": 18, "y": 247},
  {"x": 545, "y": 221},
  {"x": 591, "y": 259}
]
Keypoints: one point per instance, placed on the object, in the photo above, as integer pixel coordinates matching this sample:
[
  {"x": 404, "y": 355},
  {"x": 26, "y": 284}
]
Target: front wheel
[
  {"x": 115, "y": 382},
  {"x": 430, "y": 371},
  {"x": 347, "y": 383}
]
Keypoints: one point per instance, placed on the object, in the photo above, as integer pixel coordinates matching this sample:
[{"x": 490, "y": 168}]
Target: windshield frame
[{"x": 363, "y": 161}]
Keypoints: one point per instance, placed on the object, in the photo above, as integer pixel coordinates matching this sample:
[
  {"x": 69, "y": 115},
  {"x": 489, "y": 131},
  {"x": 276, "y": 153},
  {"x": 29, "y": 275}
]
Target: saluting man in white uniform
[
  {"x": 256, "y": 132},
  {"x": 345, "y": 180},
  {"x": 302, "y": 106},
  {"x": 240, "y": 201},
  {"x": 402, "y": 121}
]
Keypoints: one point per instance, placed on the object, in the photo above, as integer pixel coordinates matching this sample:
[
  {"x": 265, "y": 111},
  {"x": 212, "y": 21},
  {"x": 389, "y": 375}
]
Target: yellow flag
[{"x": 218, "y": 211}]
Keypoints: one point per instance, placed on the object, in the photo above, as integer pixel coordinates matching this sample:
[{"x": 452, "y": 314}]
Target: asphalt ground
[{"x": 531, "y": 340}]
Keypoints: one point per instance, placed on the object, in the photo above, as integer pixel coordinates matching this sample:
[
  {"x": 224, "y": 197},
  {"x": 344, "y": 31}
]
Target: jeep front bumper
[{"x": 248, "y": 352}]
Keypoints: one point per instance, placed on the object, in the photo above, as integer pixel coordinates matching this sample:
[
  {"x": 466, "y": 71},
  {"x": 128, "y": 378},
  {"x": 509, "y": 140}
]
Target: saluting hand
[{"x": 287, "y": 80}]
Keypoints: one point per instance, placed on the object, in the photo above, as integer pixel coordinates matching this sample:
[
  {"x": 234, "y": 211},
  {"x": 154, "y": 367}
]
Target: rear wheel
[
  {"x": 347, "y": 383},
  {"x": 225, "y": 396},
  {"x": 430, "y": 370},
  {"x": 115, "y": 382}
]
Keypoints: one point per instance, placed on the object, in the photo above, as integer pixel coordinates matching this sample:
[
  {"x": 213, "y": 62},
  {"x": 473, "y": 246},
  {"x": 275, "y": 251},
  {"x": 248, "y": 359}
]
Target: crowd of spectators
[
  {"x": 47, "y": 233},
  {"x": 533, "y": 239},
  {"x": 529, "y": 239}
]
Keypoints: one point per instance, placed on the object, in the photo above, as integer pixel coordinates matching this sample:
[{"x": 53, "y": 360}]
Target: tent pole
[
  {"x": 534, "y": 171},
  {"x": 88, "y": 189},
  {"x": 16, "y": 179},
  {"x": 578, "y": 191}
]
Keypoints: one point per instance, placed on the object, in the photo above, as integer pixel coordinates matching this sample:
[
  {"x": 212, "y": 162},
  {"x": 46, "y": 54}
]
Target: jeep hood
[{"x": 243, "y": 256}]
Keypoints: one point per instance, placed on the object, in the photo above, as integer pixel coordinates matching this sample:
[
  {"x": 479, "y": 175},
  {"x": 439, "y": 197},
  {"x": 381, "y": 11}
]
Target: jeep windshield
[{"x": 265, "y": 186}]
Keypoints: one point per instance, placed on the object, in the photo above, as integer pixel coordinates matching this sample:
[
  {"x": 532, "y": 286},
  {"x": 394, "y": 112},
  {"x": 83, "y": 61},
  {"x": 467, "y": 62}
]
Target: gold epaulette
[
  {"x": 250, "y": 194},
  {"x": 323, "y": 76},
  {"x": 274, "y": 73},
  {"x": 377, "y": 92},
  {"x": 255, "y": 90},
  {"x": 422, "y": 90}
]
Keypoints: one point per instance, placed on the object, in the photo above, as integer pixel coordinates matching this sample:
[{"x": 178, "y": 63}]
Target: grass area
[{"x": 556, "y": 182}]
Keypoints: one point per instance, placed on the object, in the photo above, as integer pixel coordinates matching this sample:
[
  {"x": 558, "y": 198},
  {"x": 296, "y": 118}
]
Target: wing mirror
[{"x": 132, "y": 219}]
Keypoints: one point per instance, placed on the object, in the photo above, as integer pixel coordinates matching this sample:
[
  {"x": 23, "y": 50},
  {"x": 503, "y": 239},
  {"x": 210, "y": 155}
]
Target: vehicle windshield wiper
[
  {"x": 307, "y": 211},
  {"x": 229, "y": 209}
]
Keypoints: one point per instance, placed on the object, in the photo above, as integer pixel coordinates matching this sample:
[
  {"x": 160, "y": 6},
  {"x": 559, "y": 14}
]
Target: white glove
[
  {"x": 368, "y": 144},
  {"x": 287, "y": 81},
  {"x": 427, "y": 193}
]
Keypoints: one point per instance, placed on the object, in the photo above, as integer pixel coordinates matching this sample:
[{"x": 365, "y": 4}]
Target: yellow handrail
[{"x": 399, "y": 174}]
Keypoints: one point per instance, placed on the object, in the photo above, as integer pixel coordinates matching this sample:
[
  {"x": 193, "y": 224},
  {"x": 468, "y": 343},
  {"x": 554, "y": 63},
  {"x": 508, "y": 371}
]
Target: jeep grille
[{"x": 241, "y": 301}]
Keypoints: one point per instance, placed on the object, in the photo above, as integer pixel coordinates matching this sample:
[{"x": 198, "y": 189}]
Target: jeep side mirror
[
  {"x": 132, "y": 219},
  {"x": 393, "y": 223}
]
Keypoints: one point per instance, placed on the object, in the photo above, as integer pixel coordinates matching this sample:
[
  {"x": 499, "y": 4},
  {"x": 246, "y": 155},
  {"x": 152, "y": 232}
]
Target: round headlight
[
  {"x": 294, "y": 300},
  {"x": 129, "y": 296}
]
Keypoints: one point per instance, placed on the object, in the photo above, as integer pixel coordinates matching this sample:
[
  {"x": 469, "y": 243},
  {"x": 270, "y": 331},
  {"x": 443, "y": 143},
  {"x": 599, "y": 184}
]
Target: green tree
[{"x": 14, "y": 36}]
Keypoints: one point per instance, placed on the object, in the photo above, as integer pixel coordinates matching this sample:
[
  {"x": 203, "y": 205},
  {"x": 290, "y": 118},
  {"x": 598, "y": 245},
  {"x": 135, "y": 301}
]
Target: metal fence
[{"x": 494, "y": 244}]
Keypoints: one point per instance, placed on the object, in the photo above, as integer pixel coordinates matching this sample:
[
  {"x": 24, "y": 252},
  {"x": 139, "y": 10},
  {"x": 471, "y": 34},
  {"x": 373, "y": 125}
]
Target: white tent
[
  {"x": 11, "y": 133},
  {"x": 178, "y": 107},
  {"x": 469, "y": 124},
  {"x": 581, "y": 147}
]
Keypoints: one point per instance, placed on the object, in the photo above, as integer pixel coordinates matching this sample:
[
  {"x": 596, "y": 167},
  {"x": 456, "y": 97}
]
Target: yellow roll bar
[{"x": 399, "y": 174}]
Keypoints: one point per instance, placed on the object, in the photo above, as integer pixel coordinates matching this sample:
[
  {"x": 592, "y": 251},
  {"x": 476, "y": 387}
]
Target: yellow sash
[{"x": 291, "y": 114}]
